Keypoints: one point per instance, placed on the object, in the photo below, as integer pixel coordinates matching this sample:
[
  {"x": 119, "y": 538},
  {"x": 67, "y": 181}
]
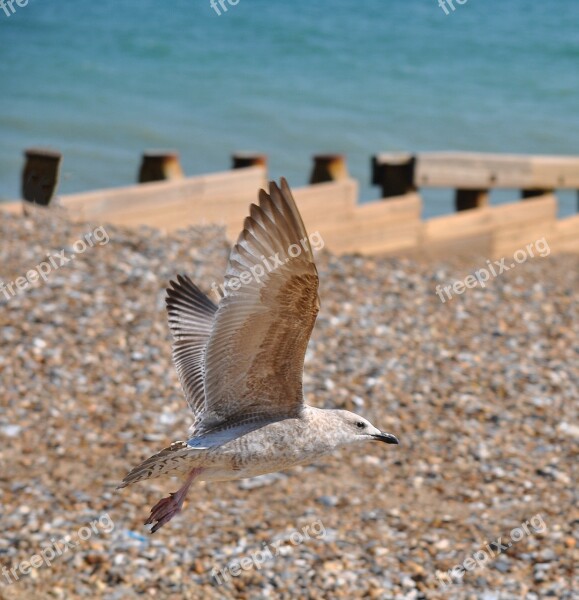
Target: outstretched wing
[
  {"x": 191, "y": 315},
  {"x": 255, "y": 355}
]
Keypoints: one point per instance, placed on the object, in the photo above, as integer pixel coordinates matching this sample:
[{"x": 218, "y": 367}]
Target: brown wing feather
[
  {"x": 191, "y": 315},
  {"x": 255, "y": 355}
]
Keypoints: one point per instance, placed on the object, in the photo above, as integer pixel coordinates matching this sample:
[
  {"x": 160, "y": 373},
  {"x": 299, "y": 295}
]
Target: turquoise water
[{"x": 102, "y": 81}]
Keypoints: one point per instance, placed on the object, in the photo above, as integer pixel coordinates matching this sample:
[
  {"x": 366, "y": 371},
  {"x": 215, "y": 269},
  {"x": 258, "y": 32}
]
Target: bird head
[{"x": 355, "y": 428}]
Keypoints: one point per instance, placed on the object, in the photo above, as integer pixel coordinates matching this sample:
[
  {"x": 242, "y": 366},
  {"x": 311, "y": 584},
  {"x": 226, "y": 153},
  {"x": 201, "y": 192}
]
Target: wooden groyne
[{"x": 390, "y": 225}]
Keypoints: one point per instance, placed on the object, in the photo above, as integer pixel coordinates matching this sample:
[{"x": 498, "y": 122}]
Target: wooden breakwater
[{"x": 391, "y": 225}]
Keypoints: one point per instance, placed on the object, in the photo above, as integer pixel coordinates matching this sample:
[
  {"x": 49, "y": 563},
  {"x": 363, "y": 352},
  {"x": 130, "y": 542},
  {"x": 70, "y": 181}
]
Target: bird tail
[{"x": 173, "y": 460}]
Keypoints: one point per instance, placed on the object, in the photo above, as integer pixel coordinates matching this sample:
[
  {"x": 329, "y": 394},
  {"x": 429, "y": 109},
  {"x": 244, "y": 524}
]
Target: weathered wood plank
[
  {"x": 326, "y": 203},
  {"x": 565, "y": 236},
  {"x": 377, "y": 226},
  {"x": 458, "y": 226},
  {"x": 471, "y": 170},
  {"x": 519, "y": 224},
  {"x": 541, "y": 207},
  {"x": 185, "y": 194},
  {"x": 466, "y": 170},
  {"x": 14, "y": 208},
  {"x": 555, "y": 172}
]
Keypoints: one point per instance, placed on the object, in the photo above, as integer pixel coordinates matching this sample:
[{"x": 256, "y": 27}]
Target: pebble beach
[{"x": 482, "y": 392}]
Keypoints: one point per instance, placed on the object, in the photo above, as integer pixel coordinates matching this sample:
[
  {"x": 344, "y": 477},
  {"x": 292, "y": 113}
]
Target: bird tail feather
[{"x": 173, "y": 460}]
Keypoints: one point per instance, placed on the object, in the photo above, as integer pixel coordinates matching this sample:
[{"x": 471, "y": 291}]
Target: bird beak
[{"x": 387, "y": 438}]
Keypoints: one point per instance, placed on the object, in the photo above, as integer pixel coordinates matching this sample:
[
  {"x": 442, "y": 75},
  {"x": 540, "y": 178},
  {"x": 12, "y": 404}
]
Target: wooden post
[
  {"x": 467, "y": 199},
  {"x": 40, "y": 175},
  {"x": 240, "y": 160},
  {"x": 394, "y": 173},
  {"x": 533, "y": 193},
  {"x": 329, "y": 167},
  {"x": 160, "y": 165}
]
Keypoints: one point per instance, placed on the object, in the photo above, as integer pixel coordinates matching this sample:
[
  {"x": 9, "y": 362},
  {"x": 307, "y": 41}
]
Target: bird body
[
  {"x": 276, "y": 446},
  {"x": 241, "y": 363}
]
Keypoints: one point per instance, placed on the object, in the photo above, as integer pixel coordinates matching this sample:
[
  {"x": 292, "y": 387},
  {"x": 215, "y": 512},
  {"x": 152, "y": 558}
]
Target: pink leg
[{"x": 168, "y": 507}]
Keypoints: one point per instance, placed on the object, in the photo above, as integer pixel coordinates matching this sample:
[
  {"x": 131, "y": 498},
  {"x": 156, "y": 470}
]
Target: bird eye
[{"x": 360, "y": 425}]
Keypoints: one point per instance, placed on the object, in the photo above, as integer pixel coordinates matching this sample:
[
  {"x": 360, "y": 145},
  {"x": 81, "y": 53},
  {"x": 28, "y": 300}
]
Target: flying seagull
[{"x": 240, "y": 363}]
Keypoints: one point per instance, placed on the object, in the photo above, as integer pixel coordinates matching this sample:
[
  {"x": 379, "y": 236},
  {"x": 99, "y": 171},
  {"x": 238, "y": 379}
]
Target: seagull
[{"x": 240, "y": 364}]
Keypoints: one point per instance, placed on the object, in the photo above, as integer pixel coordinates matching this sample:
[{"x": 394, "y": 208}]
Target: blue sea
[{"x": 103, "y": 81}]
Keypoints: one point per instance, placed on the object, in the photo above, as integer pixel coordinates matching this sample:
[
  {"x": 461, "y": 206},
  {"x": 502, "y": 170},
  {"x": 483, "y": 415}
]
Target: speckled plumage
[{"x": 240, "y": 364}]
